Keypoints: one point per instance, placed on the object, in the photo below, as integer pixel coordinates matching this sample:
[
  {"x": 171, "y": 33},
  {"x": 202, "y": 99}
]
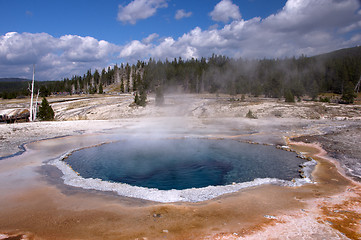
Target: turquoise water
[{"x": 183, "y": 163}]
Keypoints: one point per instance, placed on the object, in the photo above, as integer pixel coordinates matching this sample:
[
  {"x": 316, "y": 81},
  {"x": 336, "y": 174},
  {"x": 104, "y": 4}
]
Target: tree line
[{"x": 336, "y": 72}]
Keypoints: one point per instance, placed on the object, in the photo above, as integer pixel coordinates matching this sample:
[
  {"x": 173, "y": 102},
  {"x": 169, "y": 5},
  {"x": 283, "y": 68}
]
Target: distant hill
[
  {"x": 341, "y": 53},
  {"x": 14, "y": 80},
  {"x": 14, "y": 87},
  {"x": 18, "y": 86}
]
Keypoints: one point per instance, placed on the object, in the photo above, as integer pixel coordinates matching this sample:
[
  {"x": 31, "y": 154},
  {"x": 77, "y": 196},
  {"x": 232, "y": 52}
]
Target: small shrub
[
  {"x": 324, "y": 99},
  {"x": 289, "y": 96},
  {"x": 251, "y": 115},
  {"x": 140, "y": 100}
]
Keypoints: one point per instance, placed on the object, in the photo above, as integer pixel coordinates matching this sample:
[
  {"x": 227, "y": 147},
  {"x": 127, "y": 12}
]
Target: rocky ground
[
  {"x": 105, "y": 107},
  {"x": 342, "y": 144},
  {"x": 200, "y": 106}
]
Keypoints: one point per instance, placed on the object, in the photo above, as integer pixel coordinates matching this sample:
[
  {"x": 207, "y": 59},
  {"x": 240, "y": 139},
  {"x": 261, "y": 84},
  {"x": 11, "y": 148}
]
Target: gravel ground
[
  {"x": 343, "y": 144},
  {"x": 13, "y": 136}
]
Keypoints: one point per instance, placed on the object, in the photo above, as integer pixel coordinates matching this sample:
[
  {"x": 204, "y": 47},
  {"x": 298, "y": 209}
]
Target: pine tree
[
  {"x": 101, "y": 89},
  {"x": 128, "y": 85},
  {"x": 142, "y": 98},
  {"x": 136, "y": 98},
  {"x": 96, "y": 77},
  {"x": 348, "y": 93},
  {"x": 127, "y": 69},
  {"x": 46, "y": 112},
  {"x": 122, "y": 86},
  {"x": 289, "y": 97}
]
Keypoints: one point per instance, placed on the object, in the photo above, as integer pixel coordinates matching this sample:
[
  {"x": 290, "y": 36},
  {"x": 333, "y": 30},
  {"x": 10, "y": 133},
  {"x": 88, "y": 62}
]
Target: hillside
[
  {"x": 13, "y": 87},
  {"x": 14, "y": 80},
  {"x": 16, "y": 87},
  {"x": 341, "y": 53}
]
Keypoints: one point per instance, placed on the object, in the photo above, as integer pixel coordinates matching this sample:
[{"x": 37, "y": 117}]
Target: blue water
[{"x": 183, "y": 163}]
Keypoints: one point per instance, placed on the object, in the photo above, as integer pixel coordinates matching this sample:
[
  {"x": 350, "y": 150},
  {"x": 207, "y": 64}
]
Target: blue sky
[
  {"x": 99, "y": 18},
  {"x": 67, "y": 37}
]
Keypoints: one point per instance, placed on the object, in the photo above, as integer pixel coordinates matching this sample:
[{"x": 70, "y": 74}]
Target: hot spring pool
[{"x": 183, "y": 169}]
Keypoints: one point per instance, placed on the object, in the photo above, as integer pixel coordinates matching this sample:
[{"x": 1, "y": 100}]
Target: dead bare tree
[
  {"x": 31, "y": 118},
  {"x": 357, "y": 87},
  {"x": 35, "y": 107}
]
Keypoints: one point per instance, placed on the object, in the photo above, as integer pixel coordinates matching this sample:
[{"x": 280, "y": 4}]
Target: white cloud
[
  {"x": 18, "y": 48},
  {"x": 84, "y": 49},
  {"x": 354, "y": 40},
  {"x": 55, "y": 58},
  {"x": 150, "y": 38},
  {"x": 134, "y": 50},
  {"x": 302, "y": 27},
  {"x": 181, "y": 13},
  {"x": 167, "y": 48},
  {"x": 297, "y": 29},
  {"x": 351, "y": 27},
  {"x": 224, "y": 11},
  {"x": 139, "y": 9},
  {"x": 309, "y": 15}
]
